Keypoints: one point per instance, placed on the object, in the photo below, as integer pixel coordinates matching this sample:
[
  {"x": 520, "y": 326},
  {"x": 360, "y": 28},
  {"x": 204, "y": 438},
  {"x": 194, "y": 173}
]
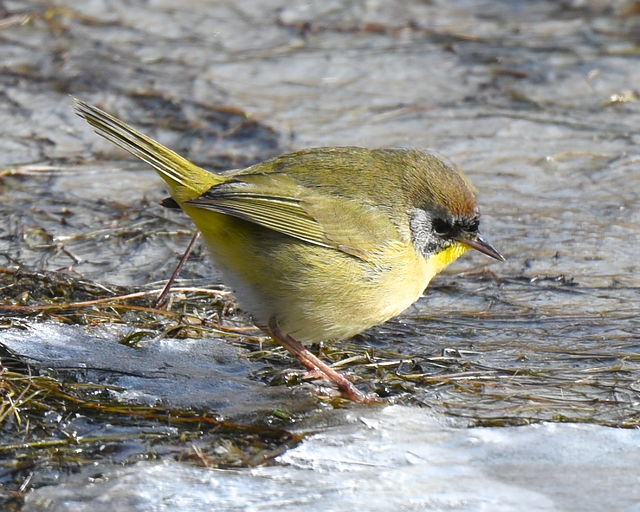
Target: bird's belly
[{"x": 314, "y": 293}]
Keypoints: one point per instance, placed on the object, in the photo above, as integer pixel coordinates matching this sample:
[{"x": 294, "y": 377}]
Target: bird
[{"x": 323, "y": 243}]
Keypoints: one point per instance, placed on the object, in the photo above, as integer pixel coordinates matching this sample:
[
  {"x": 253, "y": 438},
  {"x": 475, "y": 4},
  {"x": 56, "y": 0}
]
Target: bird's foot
[{"x": 317, "y": 367}]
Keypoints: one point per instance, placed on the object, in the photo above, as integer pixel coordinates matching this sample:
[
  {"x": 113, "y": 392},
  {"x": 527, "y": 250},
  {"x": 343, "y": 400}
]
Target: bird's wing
[{"x": 276, "y": 201}]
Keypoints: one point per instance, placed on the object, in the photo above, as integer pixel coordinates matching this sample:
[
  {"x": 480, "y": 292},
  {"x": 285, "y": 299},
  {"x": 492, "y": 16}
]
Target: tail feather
[{"x": 185, "y": 179}]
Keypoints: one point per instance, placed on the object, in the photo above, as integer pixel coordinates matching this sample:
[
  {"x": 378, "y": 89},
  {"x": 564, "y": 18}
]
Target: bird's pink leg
[{"x": 314, "y": 364}]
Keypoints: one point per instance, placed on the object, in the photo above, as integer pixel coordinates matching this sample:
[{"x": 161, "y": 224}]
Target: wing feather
[
  {"x": 280, "y": 214},
  {"x": 278, "y": 202}
]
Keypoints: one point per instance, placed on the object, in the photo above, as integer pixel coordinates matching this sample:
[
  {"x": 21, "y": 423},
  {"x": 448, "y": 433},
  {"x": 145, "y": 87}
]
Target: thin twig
[
  {"x": 161, "y": 302},
  {"x": 106, "y": 300}
]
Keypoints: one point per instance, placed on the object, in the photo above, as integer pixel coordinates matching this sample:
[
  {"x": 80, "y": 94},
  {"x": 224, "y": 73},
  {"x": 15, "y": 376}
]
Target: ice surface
[{"x": 395, "y": 458}]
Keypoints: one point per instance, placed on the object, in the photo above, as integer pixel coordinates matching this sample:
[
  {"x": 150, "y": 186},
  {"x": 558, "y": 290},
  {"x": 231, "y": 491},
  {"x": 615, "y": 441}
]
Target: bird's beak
[{"x": 479, "y": 244}]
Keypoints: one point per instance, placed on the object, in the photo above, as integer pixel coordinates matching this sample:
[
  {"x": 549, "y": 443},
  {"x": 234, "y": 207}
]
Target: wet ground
[{"x": 536, "y": 101}]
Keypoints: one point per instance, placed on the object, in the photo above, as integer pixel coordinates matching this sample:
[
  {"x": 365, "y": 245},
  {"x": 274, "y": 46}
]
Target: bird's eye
[{"x": 442, "y": 227}]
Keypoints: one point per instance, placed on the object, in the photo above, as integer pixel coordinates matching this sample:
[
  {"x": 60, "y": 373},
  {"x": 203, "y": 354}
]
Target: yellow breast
[{"x": 408, "y": 275}]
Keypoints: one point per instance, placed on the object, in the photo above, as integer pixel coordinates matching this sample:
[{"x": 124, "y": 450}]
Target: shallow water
[{"x": 536, "y": 101}]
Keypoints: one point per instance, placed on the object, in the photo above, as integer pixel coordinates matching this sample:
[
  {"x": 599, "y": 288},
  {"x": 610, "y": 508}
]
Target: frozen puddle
[
  {"x": 206, "y": 373},
  {"x": 395, "y": 458}
]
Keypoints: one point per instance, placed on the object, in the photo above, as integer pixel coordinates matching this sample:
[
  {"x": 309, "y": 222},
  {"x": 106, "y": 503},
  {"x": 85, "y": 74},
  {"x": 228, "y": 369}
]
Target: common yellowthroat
[{"x": 323, "y": 243}]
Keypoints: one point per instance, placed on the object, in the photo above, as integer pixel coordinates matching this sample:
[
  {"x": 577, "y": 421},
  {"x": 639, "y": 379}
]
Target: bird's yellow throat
[{"x": 438, "y": 261}]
